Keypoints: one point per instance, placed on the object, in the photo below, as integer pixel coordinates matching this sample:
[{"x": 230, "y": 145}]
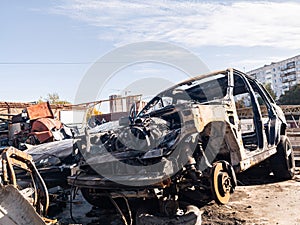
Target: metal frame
[{"x": 13, "y": 157}]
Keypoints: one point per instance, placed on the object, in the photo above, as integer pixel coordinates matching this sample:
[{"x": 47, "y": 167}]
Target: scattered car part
[
  {"x": 36, "y": 193},
  {"x": 11, "y": 158},
  {"x": 190, "y": 216},
  {"x": 21, "y": 213}
]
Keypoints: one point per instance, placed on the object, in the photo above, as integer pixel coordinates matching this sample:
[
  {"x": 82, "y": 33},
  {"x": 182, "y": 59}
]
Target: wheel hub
[{"x": 224, "y": 183}]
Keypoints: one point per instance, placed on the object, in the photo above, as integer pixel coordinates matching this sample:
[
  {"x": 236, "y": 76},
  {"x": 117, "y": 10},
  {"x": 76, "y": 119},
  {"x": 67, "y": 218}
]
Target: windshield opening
[{"x": 212, "y": 88}]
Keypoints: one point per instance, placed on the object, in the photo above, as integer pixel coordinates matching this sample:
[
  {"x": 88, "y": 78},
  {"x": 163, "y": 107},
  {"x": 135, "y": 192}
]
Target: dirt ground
[
  {"x": 260, "y": 201},
  {"x": 273, "y": 202}
]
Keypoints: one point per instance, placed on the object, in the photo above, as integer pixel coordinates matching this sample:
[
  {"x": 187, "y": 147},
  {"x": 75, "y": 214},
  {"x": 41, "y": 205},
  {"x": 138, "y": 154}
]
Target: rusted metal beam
[{"x": 288, "y": 110}]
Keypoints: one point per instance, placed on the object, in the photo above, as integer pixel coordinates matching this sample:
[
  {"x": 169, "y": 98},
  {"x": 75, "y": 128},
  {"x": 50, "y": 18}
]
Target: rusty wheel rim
[{"x": 221, "y": 184}]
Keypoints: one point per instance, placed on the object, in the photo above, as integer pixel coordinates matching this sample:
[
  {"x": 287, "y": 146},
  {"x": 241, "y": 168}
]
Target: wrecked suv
[{"x": 188, "y": 141}]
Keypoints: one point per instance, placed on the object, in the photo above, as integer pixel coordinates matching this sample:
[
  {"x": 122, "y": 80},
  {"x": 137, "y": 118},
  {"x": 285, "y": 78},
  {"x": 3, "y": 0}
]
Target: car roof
[{"x": 202, "y": 76}]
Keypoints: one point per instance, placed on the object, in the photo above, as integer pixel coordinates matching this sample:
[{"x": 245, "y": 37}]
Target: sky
[{"x": 49, "y": 46}]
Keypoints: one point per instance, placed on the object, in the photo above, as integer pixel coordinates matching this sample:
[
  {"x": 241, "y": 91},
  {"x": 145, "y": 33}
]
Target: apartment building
[{"x": 281, "y": 75}]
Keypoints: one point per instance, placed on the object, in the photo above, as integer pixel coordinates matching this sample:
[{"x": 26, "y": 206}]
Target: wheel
[
  {"x": 282, "y": 163},
  {"x": 223, "y": 182},
  {"x": 93, "y": 197}
]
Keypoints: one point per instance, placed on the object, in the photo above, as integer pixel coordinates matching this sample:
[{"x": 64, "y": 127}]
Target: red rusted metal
[
  {"x": 41, "y": 128},
  {"x": 38, "y": 111}
]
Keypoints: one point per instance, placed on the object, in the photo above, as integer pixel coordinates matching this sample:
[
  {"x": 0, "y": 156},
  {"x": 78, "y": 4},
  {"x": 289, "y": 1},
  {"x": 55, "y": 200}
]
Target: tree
[
  {"x": 270, "y": 90},
  {"x": 291, "y": 97},
  {"x": 53, "y": 98}
]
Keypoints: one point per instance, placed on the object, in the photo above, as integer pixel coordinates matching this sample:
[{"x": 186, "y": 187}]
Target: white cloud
[{"x": 193, "y": 24}]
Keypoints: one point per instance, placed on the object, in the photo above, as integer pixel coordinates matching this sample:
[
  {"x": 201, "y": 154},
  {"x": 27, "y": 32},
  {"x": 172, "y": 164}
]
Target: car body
[{"x": 192, "y": 137}]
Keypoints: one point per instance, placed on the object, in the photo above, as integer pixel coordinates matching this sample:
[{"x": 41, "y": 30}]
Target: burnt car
[{"x": 189, "y": 140}]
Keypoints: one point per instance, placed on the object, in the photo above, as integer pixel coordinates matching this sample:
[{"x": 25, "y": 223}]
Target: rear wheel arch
[{"x": 226, "y": 142}]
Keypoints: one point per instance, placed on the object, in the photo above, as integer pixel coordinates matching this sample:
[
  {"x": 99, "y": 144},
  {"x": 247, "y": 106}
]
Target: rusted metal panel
[
  {"x": 43, "y": 136},
  {"x": 42, "y": 128},
  {"x": 41, "y": 110}
]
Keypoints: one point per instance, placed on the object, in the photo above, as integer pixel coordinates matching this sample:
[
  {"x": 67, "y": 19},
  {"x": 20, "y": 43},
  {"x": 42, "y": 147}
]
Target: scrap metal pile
[
  {"x": 36, "y": 125},
  {"x": 34, "y": 170}
]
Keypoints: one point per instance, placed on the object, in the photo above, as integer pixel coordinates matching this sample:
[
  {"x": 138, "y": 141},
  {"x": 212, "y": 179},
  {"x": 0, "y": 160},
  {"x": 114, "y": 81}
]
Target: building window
[{"x": 290, "y": 64}]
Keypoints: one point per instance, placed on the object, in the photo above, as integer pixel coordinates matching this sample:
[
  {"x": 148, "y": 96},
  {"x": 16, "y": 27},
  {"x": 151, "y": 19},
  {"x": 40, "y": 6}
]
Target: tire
[
  {"x": 283, "y": 163},
  {"x": 90, "y": 195},
  {"x": 192, "y": 216}
]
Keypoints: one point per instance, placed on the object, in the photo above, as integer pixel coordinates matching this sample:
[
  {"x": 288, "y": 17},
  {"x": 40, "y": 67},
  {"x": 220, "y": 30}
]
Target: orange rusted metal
[
  {"x": 38, "y": 111},
  {"x": 42, "y": 128}
]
